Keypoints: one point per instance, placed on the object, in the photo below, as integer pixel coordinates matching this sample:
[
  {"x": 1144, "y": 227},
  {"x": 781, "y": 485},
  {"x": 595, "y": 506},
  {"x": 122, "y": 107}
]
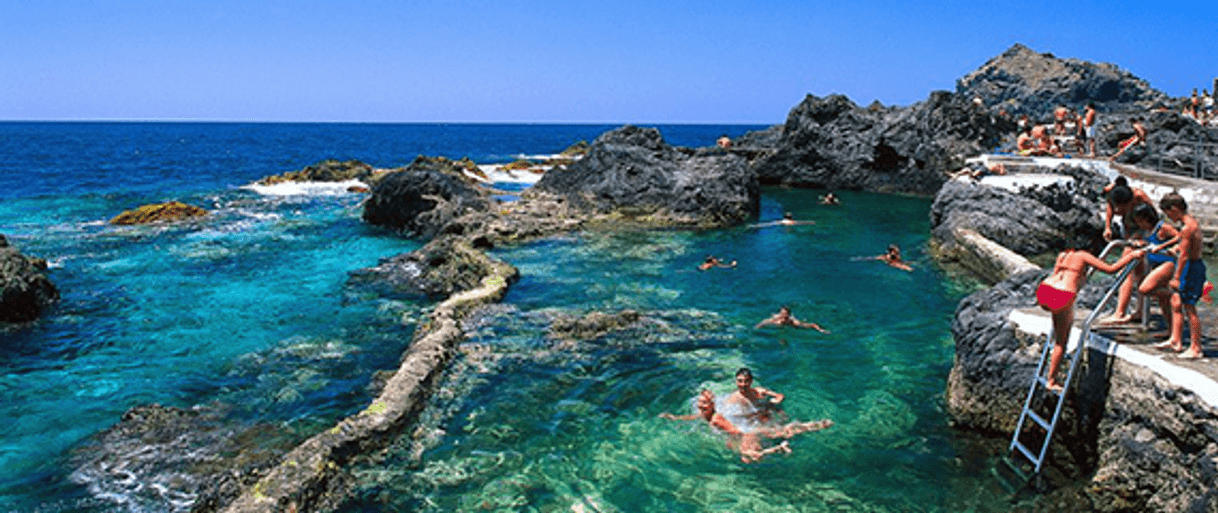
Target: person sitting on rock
[
  {"x": 1152, "y": 281},
  {"x": 712, "y": 262},
  {"x": 784, "y": 318},
  {"x": 1058, "y": 292},
  {"x": 1024, "y": 143},
  {"x": 1138, "y": 137},
  {"x": 724, "y": 141}
]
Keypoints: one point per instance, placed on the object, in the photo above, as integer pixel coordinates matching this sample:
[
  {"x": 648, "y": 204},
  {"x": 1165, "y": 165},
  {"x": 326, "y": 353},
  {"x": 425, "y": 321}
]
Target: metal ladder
[{"x": 1040, "y": 380}]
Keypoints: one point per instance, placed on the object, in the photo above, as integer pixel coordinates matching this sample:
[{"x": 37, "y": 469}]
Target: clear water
[{"x": 249, "y": 308}]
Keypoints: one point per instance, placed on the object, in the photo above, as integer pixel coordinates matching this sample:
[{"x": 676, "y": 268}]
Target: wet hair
[
  {"x": 1173, "y": 200},
  {"x": 1120, "y": 180},
  {"x": 1120, "y": 195},
  {"x": 744, "y": 371},
  {"x": 788, "y": 215},
  {"x": 1091, "y": 105},
  {"x": 710, "y": 258},
  {"x": 893, "y": 248},
  {"x": 1146, "y": 213}
]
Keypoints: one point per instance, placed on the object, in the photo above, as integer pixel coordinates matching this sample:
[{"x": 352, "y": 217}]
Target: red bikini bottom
[{"x": 1053, "y": 299}]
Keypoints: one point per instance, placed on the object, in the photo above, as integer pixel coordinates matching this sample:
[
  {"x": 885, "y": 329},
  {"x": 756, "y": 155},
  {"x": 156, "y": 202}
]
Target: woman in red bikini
[{"x": 1058, "y": 292}]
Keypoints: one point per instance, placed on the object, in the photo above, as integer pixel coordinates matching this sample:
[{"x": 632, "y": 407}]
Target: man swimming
[
  {"x": 748, "y": 443},
  {"x": 784, "y": 318},
  {"x": 756, "y": 404}
]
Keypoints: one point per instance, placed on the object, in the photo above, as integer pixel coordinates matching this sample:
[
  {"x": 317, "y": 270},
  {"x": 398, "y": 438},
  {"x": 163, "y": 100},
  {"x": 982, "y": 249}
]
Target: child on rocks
[{"x": 1188, "y": 282}]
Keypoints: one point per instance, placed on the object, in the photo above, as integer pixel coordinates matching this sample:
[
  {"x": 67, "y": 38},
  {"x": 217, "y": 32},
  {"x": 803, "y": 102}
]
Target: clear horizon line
[{"x": 282, "y": 121}]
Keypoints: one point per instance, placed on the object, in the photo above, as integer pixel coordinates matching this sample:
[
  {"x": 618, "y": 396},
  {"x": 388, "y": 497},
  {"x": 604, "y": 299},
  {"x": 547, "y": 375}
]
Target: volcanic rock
[
  {"x": 423, "y": 197},
  {"x": 325, "y": 171},
  {"x": 25, "y": 290}
]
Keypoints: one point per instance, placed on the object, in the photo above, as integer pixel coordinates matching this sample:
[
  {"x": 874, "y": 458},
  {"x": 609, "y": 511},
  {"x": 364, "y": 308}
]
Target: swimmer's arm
[
  {"x": 721, "y": 423},
  {"x": 777, "y": 397},
  {"x": 670, "y": 416},
  {"x": 766, "y": 322},
  {"x": 812, "y": 325}
]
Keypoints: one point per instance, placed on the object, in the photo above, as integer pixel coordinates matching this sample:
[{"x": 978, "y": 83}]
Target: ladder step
[
  {"x": 1026, "y": 452},
  {"x": 1043, "y": 423}
]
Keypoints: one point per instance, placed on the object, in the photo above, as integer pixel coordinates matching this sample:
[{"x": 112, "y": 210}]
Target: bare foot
[
  {"x": 783, "y": 447},
  {"x": 1115, "y": 319},
  {"x": 1190, "y": 355},
  {"x": 1053, "y": 387},
  {"x": 1169, "y": 345}
]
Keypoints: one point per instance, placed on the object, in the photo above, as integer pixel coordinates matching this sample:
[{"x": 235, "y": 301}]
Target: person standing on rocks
[
  {"x": 1188, "y": 281},
  {"x": 1057, "y": 293},
  {"x": 1088, "y": 128}
]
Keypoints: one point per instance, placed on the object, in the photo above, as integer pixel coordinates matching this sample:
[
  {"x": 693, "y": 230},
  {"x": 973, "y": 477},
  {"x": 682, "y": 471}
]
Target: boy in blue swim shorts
[{"x": 1188, "y": 283}]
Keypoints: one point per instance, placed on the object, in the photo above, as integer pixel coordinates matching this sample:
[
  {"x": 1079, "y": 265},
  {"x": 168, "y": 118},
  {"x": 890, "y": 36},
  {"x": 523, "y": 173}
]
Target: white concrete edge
[{"x": 1204, "y": 387}]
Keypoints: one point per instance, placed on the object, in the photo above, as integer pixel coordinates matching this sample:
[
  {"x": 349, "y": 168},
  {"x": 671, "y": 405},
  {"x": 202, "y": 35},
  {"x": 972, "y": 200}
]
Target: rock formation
[
  {"x": 632, "y": 174},
  {"x": 444, "y": 266},
  {"x": 421, "y": 198},
  {"x": 25, "y": 290},
  {"x": 833, "y": 143},
  {"x": 1036, "y": 221},
  {"x": 159, "y": 213},
  {"x": 1022, "y": 81},
  {"x": 325, "y": 171}
]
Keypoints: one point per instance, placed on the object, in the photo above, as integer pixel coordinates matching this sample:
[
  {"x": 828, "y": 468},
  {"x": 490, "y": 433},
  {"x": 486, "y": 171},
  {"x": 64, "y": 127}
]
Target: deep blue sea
[{"x": 249, "y": 312}]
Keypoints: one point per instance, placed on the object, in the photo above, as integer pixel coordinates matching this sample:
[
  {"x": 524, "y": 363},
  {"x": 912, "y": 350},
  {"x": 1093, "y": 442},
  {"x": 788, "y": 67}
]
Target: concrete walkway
[{"x": 1134, "y": 345}]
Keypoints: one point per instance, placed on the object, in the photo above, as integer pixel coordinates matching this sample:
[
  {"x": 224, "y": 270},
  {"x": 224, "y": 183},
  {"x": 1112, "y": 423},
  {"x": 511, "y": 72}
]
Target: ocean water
[{"x": 249, "y": 312}]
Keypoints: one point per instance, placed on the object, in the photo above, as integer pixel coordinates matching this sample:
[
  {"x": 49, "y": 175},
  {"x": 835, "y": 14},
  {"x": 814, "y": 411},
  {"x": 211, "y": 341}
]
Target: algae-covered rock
[
  {"x": 159, "y": 213},
  {"x": 325, "y": 171},
  {"x": 444, "y": 266}
]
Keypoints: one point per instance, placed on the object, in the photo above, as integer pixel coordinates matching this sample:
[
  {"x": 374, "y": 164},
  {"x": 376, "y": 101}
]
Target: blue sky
[{"x": 631, "y": 61}]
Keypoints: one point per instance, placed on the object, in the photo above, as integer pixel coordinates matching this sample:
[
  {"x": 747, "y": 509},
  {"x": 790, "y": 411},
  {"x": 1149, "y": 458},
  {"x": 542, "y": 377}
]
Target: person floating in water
[
  {"x": 892, "y": 258},
  {"x": 755, "y": 403},
  {"x": 784, "y": 318},
  {"x": 787, "y": 220},
  {"x": 712, "y": 262},
  {"x": 830, "y": 199},
  {"x": 1058, "y": 291},
  {"x": 748, "y": 443}
]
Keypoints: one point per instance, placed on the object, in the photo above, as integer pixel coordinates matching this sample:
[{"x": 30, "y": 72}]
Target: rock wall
[{"x": 25, "y": 290}]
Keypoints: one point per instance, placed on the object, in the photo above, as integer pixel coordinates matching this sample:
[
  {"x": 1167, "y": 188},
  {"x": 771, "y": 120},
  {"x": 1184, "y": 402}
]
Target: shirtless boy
[
  {"x": 1188, "y": 282},
  {"x": 784, "y": 318},
  {"x": 711, "y": 262}
]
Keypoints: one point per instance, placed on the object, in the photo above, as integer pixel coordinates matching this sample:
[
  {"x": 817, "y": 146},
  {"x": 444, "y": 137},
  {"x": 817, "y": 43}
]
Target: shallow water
[
  {"x": 527, "y": 422},
  {"x": 249, "y": 309}
]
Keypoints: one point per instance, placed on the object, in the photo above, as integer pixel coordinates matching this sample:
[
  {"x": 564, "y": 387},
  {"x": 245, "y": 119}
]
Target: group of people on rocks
[
  {"x": 1201, "y": 108},
  {"x": 1069, "y": 131},
  {"x": 1173, "y": 273}
]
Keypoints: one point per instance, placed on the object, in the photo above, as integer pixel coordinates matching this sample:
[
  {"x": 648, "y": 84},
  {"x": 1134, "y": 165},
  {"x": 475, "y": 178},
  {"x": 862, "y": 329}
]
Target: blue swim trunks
[{"x": 1192, "y": 282}]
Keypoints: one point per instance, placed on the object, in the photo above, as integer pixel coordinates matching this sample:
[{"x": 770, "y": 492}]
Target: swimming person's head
[{"x": 744, "y": 378}]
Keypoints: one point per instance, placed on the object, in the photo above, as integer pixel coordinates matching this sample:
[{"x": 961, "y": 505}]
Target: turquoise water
[
  {"x": 528, "y": 422},
  {"x": 248, "y": 312}
]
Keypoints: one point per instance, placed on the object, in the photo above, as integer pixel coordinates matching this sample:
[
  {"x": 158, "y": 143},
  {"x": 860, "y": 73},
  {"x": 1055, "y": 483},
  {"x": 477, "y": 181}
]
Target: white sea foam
[{"x": 306, "y": 188}]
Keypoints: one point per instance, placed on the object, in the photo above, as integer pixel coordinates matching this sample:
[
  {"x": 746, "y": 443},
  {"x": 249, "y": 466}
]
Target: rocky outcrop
[
  {"x": 159, "y": 213},
  {"x": 420, "y": 199},
  {"x": 632, "y": 175},
  {"x": 325, "y": 171},
  {"x": 25, "y": 290},
  {"x": 1036, "y": 220},
  {"x": 1174, "y": 142},
  {"x": 1022, "y": 81},
  {"x": 833, "y": 143}
]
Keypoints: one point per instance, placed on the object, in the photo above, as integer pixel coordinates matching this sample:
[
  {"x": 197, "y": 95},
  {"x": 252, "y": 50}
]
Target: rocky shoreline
[{"x": 631, "y": 178}]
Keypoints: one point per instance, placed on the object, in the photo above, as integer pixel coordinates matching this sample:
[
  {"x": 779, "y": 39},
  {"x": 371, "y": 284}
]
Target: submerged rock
[
  {"x": 445, "y": 266},
  {"x": 25, "y": 290},
  {"x": 159, "y": 213}
]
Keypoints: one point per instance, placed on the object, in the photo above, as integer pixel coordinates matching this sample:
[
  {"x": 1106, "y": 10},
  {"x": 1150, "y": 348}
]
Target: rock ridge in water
[{"x": 159, "y": 213}]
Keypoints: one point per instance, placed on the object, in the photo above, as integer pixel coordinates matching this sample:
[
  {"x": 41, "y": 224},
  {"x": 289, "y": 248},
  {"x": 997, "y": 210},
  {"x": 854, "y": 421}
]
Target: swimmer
[
  {"x": 784, "y": 318},
  {"x": 748, "y": 444},
  {"x": 787, "y": 220},
  {"x": 830, "y": 199},
  {"x": 892, "y": 258},
  {"x": 712, "y": 262},
  {"x": 755, "y": 403}
]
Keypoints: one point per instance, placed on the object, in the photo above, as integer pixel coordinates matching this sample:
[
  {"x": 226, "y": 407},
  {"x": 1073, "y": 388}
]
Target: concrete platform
[{"x": 1134, "y": 345}]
